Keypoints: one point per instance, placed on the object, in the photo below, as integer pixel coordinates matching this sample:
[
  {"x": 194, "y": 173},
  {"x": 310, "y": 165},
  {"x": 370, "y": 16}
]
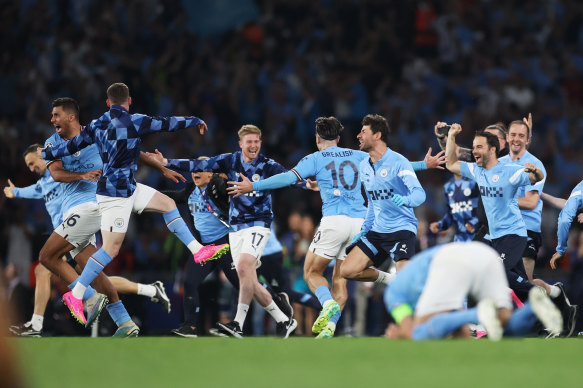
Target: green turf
[{"x": 299, "y": 362}]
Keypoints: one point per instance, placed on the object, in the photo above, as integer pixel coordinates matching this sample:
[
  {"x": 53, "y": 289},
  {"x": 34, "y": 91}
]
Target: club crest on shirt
[
  {"x": 384, "y": 172},
  {"x": 76, "y": 154},
  {"x": 467, "y": 191},
  {"x": 118, "y": 222},
  {"x": 49, "y": 144},
  {"x": 337, "y": 192},
  {"x": 255, "y": 177},
  {"x": 495, "y": 178}
]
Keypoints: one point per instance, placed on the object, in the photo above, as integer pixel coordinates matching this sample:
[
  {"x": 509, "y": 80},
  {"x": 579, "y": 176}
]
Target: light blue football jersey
[
  {"x": 392, "y": 174},
  {"x": 532, "y": 218},
  {"x": 499, "y": 190},
  {"x": 87, "y": 159},
  {"x": 567, "y": 215},
  {"x": 336, "y": 171},
  {"x": 49, "y": 190}
]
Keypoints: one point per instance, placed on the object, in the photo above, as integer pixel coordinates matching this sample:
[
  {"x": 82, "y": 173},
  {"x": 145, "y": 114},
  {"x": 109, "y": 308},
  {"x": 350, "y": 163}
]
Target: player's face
[
  {"x": 35, "y": 164},
  {"x": 61, "y": 121},
  {"x": 201, "y": 179},
  {"x": 250, "y": 146},
  {"x": 365, "y": 139},
  {"x": 482, "y": 153},
  {"x": 517, "y": 138}
]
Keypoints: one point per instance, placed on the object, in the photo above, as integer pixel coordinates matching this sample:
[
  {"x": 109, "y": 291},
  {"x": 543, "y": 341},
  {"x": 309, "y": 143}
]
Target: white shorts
[
  {"x": 459, "y": 270},
  {"x": 80, "y": 224},
  {"x": 116, "y": 211},
  {"x": 78, "y": 249},
  {"x": 251, "y": 241},
  {"x": 334, "y": 234}
]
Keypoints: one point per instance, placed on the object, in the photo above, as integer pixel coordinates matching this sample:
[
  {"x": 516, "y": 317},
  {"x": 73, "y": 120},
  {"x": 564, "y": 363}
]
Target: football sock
[
  {"x": 242, "y": 310},
  {"x": 385, "y": 277},
  {"x": 37, "y": 322},
  {"x": 275, "y": 312},
  {"x": 94, "y": 266},
  {"x": 323, "y": 294},
  {"x": 118, "y": 313},
  {"x": 89, "y": 291},
  {"x": 520, "y": 322},
  {"x": 176, "y": 225},
  {"x": 335, "y": 318},
  {"x": 146, "y": 290},
  {"x": 441, "y": 325}
]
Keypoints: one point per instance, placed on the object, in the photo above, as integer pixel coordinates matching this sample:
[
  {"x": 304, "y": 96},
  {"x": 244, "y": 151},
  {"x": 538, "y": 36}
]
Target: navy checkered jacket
[
  {"x": 117, "y": 135},
  {"x": 251, "y": 209}
]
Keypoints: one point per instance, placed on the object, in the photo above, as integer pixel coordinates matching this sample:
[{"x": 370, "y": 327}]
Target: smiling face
[
  {"x": 482, "y": 152},
  {"x": 201, "y": 179},
  {"x": 63, "y": 122},
  {"x": 518, "y": 138},
  {"x": 250, "y": 146},
  {"x": 35, "y": 164},
  {"x": 366, "y": 139}
]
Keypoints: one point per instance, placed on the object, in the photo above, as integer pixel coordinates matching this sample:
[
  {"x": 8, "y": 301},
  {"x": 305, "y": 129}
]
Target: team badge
[
  {"x": 495, "y": 178},
  {"x": 49, "y": 145},
  {"x": 467, "y": 191},
  {"x": 76, "y": 154},
  {"x": 255, "y": 177},
  {"x": 384, "y": 172},
  {"x": 118, "y": 222},
  {"x": 337, "y": 192}
]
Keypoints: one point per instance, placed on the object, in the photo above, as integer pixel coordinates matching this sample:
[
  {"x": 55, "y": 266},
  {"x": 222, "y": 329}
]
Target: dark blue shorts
[
  {"x": 510, "y": 248},
  {"x": 532, "y": 245},
  {"x": 382, "y": 246}
]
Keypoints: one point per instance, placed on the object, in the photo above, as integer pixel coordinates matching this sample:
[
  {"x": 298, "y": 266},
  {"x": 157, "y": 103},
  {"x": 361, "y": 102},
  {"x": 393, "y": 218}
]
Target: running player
[
  {"x": 427, "y": 297},
  {"x": 250, "y": 218},
  {"x": 116, "y": 136}
]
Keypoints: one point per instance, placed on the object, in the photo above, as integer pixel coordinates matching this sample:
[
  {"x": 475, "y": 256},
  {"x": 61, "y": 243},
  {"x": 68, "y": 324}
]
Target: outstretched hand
[
  {"x": 312, "y": 185},
  {"x": 9, "y": 190},
  {"x": 239, "y": 188},
  {"x": 434, "y": 161},
  {"x": 202, "y": 127},
  {"x": 157, "y": 155},
  {"x": 174, "y": 176},
  {"x": 556, "y": 260}
]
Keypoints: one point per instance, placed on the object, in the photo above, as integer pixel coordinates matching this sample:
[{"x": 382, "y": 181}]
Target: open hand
[
  {"x": 239, "y": 188},
  {"x": 434, "y": 161}
]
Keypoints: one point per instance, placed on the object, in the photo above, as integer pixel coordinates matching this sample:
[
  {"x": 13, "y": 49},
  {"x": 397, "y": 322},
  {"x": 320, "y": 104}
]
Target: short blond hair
[{"x": 248, "y": 129}]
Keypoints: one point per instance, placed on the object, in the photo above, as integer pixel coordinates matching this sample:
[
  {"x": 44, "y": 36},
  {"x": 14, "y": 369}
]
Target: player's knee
[
  {"x": 40, "y": 271},
  {"x": 168, "y": 203}
]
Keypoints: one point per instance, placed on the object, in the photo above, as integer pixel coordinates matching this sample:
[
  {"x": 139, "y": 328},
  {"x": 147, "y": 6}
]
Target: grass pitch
[{"x": 298, "y": 362}]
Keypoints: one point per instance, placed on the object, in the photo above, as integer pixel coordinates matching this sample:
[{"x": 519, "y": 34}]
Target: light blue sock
[
  {"x": 520, "y": 322},
  {"x": 118, "y": 313},
  {"x": 443, "y": 324},
  {"x": 89, "y": 291},
  {"x": 176, "y": 225},
  {"x": 94, "y": 266},
  {"x": 336, "y": 317},
  {"x": 323, "y": 294}
]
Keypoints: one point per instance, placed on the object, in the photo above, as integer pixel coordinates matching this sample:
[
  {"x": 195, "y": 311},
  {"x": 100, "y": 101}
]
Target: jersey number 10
[{"x": 340, "y": 174}]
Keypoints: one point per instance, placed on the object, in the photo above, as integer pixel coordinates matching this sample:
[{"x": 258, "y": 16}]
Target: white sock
[
  {"x": 37, "y": 322},
  {"x": 276, "y": 313},
  {"x": 194, "y": 246},
  {"x": 146, "y": 290},
  {"x": 385, "y": 277},
  {"x": 79, "y": 290},
  {"x": 555, "y": 291},
  {"x": 241, "y": 314}
]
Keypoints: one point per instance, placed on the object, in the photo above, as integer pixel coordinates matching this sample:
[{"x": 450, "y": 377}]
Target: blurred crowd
[{"x": 280, "y": 65}]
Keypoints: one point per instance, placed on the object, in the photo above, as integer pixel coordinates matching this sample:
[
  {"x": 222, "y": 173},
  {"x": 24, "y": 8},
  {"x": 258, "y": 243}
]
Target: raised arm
[
  {"x": 30, "y": 192},
  {"x": 430, "y": 161},
  {"x": 464, "y": 154},
  {"x": 154, "y": 163},
  {"x": 452, "y": 162},
  {"x": 147, "y": 124},
  {"x": 535, "y": 174},
  {"x": 82, "y": 140}
]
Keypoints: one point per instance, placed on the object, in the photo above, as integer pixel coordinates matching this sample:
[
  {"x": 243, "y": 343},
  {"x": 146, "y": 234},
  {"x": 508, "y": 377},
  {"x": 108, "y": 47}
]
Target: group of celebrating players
[{"x": 88, "y": 183}]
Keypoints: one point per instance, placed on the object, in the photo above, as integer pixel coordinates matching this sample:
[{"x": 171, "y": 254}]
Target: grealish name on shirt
[{"x": 340, "y": 154}]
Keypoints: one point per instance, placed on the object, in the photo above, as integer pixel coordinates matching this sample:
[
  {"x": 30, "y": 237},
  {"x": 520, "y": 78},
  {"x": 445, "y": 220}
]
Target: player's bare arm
[
  {"x": 452, "y": 162},
  {"x": 535, "y": 174},
  {"x": 166, "y": 172},
  {"x": 59, "y": 174}
]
